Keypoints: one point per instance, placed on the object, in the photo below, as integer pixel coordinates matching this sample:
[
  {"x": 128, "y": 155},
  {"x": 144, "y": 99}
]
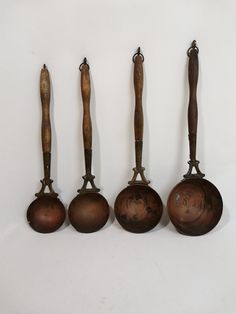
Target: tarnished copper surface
[
  {"x": 195, "y": 206},
  {"x": 46, "y": 214},
  {"x": 88, "y": 212},
  {"x": 138, "y": 208}
]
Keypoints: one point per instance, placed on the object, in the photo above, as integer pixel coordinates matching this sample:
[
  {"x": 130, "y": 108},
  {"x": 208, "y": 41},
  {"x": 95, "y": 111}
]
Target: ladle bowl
[
  {"x": 46, "y": 214},
  {"x": 194, "y": 206},
  {"x": 138, "y": 208},
  {"x": 88, "y": 212}
]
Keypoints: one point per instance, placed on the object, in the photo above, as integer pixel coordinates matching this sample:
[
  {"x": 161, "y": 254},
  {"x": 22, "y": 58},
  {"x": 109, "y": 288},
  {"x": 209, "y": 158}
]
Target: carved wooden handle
[
  {"x": 138, "y": 88},
  {"x": 87, "y": 129},
  {"x": 138, "y": 114},
  {"x": 192, "y": 108},
  {"x": 45, "y": 100},
  {"x": 86, "y": 90}
]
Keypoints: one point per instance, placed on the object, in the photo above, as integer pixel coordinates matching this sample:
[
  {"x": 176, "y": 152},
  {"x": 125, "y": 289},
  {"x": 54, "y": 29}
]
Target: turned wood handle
[
  {"x": 45, "y": 100},
  {"x": 86, "y": 91},
  {"x": 138, "y": 89},
  {"x": 192, "y": 107}
]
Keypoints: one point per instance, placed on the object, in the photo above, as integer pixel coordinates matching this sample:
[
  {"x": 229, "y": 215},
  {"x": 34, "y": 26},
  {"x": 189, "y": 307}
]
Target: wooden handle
[
  {"x": 138, "y": 115},
  {"x": 86, "y": 90},
  {"x": 138, "y": 88},
  {"x": 192, "y": 108},
  {"x": 138, "y": 59},
  {"x": 45, "y": 100},
  {"x": 87, "y": 129},
  {"x": 192, "y": 112}
]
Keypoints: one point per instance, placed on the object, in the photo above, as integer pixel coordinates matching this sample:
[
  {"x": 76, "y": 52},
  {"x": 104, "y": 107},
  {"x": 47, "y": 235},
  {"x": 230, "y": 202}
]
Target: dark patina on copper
[
  {"x": 89, "y": 210},
  {"x": 46, "y": 213},
  {"x": 138, "y": 208},
  {"x": 194, "y": 205}
]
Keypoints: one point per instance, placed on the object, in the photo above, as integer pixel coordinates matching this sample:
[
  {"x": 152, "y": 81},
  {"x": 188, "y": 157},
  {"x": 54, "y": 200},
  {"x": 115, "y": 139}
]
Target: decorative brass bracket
[
  {"x": 88, "y": 178},
  {"x": 139, "y": 171},
  {"x": 189, "y": 174},
  {"x": 46, "y": 183}
]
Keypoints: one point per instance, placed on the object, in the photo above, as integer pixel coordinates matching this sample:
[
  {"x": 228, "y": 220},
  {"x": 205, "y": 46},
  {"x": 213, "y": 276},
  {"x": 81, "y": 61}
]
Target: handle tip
[
  {"x": 194, "y": 44},
  {"x": 193, "y": 47},
  {"x": 44, "y": 66}
]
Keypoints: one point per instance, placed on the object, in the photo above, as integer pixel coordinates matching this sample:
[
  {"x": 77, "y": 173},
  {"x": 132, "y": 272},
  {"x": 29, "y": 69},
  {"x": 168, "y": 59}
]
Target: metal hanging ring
[
  {"x": 84, "y": 63},
  {"x": 193, "y": 46},
  {"x": 138, "y": 53}
]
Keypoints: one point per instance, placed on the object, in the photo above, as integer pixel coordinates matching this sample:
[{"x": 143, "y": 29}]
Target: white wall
[{"x": 113, "y": 271}]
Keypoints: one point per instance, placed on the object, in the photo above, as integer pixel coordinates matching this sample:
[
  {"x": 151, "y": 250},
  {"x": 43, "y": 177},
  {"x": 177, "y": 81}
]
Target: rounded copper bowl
[
  {"x": 88, "y": 212},
  {"x": 138, "y": 208},
  {"x": 46, "y": 214},
  {"x": 194, "y": 206}
]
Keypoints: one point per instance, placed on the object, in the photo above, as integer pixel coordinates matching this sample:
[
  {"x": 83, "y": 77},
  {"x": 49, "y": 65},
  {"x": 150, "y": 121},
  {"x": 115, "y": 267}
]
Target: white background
[{"x": 113, "y": 271}]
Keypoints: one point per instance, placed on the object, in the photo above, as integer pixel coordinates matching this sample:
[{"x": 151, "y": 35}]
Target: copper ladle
[
  {"x": 46, "y": 213},
  {"x": 138, "y": 208},
  {"x": 89, "y": 210},
  {"x": 194, "y": 205}
]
